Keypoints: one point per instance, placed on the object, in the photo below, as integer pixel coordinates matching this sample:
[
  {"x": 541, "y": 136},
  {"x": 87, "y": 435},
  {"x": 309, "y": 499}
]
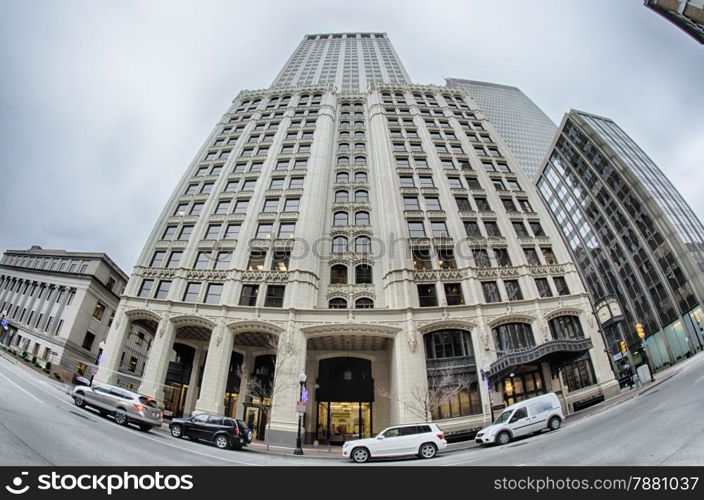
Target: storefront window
[{"x": 579, "y": 373}]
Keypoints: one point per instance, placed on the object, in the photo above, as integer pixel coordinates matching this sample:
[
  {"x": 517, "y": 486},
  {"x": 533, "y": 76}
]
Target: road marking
[
  {"x": 23, "y": 390},
  {"x": 699, "y": 379},
  {"x": 460, "y": 462}
]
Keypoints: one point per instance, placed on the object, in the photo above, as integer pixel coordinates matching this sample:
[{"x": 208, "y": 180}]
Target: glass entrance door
[
  {"x": 341, "y": 421},
  {"x": 255, "y": 419}
]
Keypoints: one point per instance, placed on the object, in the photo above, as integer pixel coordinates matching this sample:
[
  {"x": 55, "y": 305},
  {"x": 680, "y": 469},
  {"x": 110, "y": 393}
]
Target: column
[
  {"x": 158, "y": 360},
  {"x": 113, "y": 348},
  {"x": 190, "y": 402},
  {"x": 217, "y": 363},
  {"x": 247, "y": 369}
]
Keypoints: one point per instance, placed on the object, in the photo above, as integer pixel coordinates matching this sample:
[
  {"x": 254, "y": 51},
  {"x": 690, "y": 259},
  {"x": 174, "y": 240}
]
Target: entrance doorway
[
  {"x": 341, "y": 421},
  {"x": 525, "y": 383},
  {"x": 255, "y": 418}
]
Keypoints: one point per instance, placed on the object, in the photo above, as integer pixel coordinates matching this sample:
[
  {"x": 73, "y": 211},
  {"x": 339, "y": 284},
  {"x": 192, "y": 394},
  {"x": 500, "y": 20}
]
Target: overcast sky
[{"x": 103, "y": 104}]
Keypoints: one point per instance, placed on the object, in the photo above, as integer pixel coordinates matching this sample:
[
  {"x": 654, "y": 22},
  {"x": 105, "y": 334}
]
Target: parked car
[
  {"x": 225, "y": 432},
  {"x": 126, "y": 406},
  {"x": 424, "y": 440},
  {"x": 526, "y": 417}
]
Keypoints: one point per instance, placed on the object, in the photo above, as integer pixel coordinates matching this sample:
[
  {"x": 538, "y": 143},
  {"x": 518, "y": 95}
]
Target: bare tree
[
  {"x": 444, "y": 384},
  {"x": 261, "y": 388}
]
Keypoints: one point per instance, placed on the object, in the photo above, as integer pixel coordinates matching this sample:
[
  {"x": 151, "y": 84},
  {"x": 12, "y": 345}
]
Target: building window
[
  {"x": 192, "y": 292},
  {"x": 88, "y": 341},
  {"x": 439, "y": 229},
  {"x": 162, "y": 291},
  {"x": 446, "y": 259},
  {"x": 513, "y": 290},
  {"x": 481, "y": 257},
  {"x": 361, "y": 218},
  {"x": 202, "y": 260},
  {"x": 361, "y": 196},
  {"x": 279, "y": 261},
  {"x": 363, "y": 274},
  {"x": 432, "y": 204},
  {"x": 174, "y": 259},
  {"x": 513, "y": 336},
  {"x": 274, "y": 296},
  {"x": 364, "y": 303},
  {"x": 264, "y": 230},
  {"x": 491, "y": 291},
  {"x": 256, "y": 260},
  {"x": 566, "y": 327},
  {"x": 453, "y": 294},
  {"x": 339, "y": 244},
  {"x": 340, "y": 219},
  {"x": 342, "y": 196},
  {"x": 169, "y": 233},
  {"x": 537, "y": 229},
  {"x": 427, "y": 295},
  {"x": 132, "y": 366},
  {"x": 213, "y": 294},
  {"x": 543, "y": 287},
  {"x": 249, "y": 294},
  {"x": 213, "y": 231},
  {"x": 472, "y": 229},
  {"x": 146, "y": 288},
  {"x": 421, "y": 259},
  {"x": 579, "y": 373},
  {"x": 232, "y": 232},
  {"x": 291, "y": 204},
  {"x": 99, "y": 311},
  {"x": 548, "y": 255},
  {"x": 561, "y": 285},
  {"x": 531, "y": 256},
  {"x": 502, "y": 257},
  {"x": 363, "y": 245},
  {"x": 337, "y": 303},
  {"x": 338, "y": 274},
  {"x": 157, "y": 259},
  {"x": 520, "y": 229}
]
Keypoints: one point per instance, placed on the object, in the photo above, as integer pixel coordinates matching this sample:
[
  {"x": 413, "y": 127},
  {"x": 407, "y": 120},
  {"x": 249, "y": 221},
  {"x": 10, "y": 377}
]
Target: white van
[{"x": 526, "y": 417}]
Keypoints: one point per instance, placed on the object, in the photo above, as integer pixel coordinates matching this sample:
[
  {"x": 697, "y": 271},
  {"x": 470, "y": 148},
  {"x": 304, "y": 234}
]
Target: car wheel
[
  {"x": 360, "y": 455},
  {"x": 554, "y": 423},
  {"x": 427, "y": 450},
  {"x": 177, "y": 431},
  {"x": 121, "y": 417},
  {"x": 79, "y": 401},
  {"x": 221, "y": 441},
  {"x": 145, "y": 427},
  {"x": 503, "y": 438}
]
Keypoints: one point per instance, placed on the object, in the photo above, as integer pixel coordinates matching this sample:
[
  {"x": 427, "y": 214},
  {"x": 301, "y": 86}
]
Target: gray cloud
[{"x": 104, "y": 104}]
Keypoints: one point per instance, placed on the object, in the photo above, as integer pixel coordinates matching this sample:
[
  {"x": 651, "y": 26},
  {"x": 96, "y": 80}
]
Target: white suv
[{"x": 424, "y": 440}]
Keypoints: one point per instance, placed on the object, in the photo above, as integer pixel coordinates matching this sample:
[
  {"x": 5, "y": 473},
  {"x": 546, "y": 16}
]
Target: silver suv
[{"x": 126, "y": 406}]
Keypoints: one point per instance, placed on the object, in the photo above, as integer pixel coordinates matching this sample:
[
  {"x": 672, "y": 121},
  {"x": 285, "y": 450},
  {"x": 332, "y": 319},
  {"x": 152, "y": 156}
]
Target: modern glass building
[
  {"x": 525, "y": 128},
  {"x": 370, "y": 234},
  {"x": 632, "y": 236}
]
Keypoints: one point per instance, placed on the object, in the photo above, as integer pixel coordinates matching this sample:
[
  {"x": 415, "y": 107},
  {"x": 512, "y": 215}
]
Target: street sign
[
  {"x": 300, "y": 408},
  {"x": 647, "y": 341}
]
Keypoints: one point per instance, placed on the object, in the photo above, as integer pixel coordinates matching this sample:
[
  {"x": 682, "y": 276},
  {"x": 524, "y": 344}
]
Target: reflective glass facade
[{"x": 630, "y": 232}]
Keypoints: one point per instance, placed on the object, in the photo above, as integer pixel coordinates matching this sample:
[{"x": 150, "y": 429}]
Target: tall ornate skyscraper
[
  {"x": 632, "y": 235},
  {"x": 528, "y": 131},
  {"x": 367, "y": 233}
]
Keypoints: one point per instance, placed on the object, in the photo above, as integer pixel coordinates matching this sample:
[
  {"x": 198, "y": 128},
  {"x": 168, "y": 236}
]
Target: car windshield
[
  {"x": 147, "y": 401},
  {"x": 503, "y": 417}
]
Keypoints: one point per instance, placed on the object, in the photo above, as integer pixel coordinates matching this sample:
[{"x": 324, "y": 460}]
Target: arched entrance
[{"x": 345, "y": 394}]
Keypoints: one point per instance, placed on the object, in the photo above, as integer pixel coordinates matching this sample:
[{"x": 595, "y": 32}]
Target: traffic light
[
  {"x": 640, "y": 331},
  {"x": 622, "y": 344}
]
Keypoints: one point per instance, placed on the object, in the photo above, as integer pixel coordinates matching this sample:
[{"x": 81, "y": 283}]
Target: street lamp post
[{"x": 302, "y": 381}]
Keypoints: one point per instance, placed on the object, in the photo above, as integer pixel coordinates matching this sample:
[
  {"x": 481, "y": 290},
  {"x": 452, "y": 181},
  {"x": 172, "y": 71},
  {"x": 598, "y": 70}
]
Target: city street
[{"x": 39, "y": 425}]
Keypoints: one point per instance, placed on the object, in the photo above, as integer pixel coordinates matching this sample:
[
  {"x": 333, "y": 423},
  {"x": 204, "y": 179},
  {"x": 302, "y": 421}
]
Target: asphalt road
[{"x": 39, "y": 425}]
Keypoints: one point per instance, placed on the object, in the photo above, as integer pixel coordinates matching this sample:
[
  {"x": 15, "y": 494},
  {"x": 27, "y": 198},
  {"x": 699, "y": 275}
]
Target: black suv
[{"x": 225, "y": 432}]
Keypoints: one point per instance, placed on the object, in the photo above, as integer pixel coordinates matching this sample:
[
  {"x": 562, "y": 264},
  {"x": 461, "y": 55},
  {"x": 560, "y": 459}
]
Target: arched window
[
  {"x": 337, "y": 303},
  {"x": 363, "y": 244},
  {"x": 361, "y": 196},
  {"x": 359, "y": 124},
  {"x": 361, "y": 219},
  {"x": 342, "y": 196},
  {"x": 340, "y": 219},
  {"x": 513, "y": 336},
  {"x": 359, "y": 146},
  {"x": 566, "y": 327},
  {"x": 364, "y": 303},
  {"x": 344, "y": 146},
  {"x": 338, "y": 274},
  {"x": 360, "y": 160},
  {"x": 344, "y": 124},
  {"x": 343, "y": 160},
  {"x": 360, "y": 177},
  {"x": 453, "y": 384},
  {"x": 342, "y": 177},
  {"x": 339, "y": 244},
  {"x": 363, "y": 274},
  {"x": 344, "y": 135},
  {"x": 359, "y": 135}
]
